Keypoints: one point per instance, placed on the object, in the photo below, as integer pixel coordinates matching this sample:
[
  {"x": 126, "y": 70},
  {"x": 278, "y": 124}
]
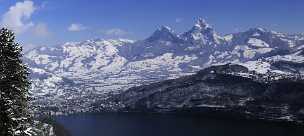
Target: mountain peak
[
  {"x": 165, "y": 29},
  {"x": 201, "y": 34},
  {"x": 258, "y": 29},
  {"x": 163, "y": 33},
  {"x": 201, "y": 24}
]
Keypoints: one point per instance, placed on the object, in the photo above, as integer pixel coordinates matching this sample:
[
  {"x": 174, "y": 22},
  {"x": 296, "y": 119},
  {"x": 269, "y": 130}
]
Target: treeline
[{"x": 14, "y": 84}]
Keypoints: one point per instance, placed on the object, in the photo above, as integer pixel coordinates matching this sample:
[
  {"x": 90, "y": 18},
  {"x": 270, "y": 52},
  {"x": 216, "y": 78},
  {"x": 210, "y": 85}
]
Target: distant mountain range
[{"x": 75, "y": 76}]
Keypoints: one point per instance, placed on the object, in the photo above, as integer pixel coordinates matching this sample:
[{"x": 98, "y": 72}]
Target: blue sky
[{"x": 49, "y": 22}]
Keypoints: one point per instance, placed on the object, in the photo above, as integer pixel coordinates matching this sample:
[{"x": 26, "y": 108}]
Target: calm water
[{"x": 169, "y": 125}]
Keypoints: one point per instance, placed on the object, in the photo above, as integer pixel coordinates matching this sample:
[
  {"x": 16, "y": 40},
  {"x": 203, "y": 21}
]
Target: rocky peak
[
  {"x": 257, "y": 31},
  {"x": 201, "y": 34},
  {"x": 165, "y": 29},
  {"x": 201, "y": 24},
  {"x": 163, "y": 33}
]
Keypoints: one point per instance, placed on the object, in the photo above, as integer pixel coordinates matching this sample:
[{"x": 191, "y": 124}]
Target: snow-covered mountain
[{"x": 73, "y": 76}]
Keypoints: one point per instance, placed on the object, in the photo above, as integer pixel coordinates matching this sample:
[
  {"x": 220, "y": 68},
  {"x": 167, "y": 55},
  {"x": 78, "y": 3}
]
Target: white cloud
[
  {"x": 41, "y": 30},
  {"x": 76, "y": 27},
  {"x": 116, "y": 32},
  {"x": 18, "y": 16}
]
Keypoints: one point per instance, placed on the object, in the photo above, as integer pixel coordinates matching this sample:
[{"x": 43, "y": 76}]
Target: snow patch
[{"x": 257, "y": 43}]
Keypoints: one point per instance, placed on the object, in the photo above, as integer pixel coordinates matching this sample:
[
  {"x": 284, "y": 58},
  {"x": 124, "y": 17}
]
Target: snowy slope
[{"x": 72, "y": 76}]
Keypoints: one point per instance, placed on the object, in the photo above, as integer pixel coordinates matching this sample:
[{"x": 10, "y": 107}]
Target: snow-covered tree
[{"x": 14, "y": 85}]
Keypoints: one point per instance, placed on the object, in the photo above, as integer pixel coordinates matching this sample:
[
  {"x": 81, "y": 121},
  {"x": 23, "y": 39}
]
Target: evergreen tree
[{"x": 14, "y": 87}]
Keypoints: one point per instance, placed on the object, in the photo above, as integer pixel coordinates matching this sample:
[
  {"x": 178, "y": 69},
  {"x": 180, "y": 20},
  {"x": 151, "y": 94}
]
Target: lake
[{"x": 135, "y": 124}]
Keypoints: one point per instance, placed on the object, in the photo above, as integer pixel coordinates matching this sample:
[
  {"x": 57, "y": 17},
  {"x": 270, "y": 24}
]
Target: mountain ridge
[
  {"x": 231, "y": 89},
  {"x": 69, "y": 78}
]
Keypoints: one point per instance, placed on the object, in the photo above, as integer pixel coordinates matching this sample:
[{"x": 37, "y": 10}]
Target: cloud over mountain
[
  {"x": 18, "y": 17},
  {"x": 75, "y": 27}
]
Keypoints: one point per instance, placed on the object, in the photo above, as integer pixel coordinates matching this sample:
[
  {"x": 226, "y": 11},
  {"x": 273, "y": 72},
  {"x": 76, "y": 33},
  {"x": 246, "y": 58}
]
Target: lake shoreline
[{"x": 209, "y": 113}]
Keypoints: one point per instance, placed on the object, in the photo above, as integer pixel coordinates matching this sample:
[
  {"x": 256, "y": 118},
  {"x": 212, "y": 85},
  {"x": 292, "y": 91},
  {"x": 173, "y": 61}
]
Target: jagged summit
[
  {"x": 258, "y": 30},
  {"x": 201, "y": 24},
  {"x": 163, "y": 33},
  {"x": 165, "y": 29},
  {"x": 201, "y": 34}
]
